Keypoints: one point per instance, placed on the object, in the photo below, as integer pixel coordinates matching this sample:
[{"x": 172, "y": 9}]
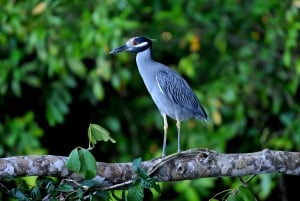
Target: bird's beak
[{"x": 119, "y": 49}]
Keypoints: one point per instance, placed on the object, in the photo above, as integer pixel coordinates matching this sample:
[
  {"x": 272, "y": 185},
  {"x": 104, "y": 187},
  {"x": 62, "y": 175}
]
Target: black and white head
[{"x": 135, "y": 44}]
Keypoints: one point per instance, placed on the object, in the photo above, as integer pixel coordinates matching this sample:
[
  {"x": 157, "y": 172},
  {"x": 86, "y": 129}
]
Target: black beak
[{"x": 119, "y": 49}]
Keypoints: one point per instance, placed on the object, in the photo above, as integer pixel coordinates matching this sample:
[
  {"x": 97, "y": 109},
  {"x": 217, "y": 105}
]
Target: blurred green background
[{"x": 240, "y": 57}]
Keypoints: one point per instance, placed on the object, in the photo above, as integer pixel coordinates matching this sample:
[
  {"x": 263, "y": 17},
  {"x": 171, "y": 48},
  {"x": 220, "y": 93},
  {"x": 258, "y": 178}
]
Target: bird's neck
[
  {"x": 144, "y": 57},
  {"x": 145, "y": 63},
  {"x": 146, "y": 67}
]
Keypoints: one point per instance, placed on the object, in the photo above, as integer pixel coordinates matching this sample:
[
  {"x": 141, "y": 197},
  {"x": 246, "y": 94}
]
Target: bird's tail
[
  {"x": 201, "y": 114},
  {"x": 204, "y": 118}
]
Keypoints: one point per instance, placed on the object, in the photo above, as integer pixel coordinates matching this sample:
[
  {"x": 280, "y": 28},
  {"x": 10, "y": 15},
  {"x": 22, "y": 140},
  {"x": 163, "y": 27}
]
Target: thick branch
[{"x": 190, "y": 164}]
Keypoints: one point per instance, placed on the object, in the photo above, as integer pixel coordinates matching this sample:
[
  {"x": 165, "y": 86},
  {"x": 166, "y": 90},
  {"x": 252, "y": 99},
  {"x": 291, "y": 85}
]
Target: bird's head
[{"x": 135, "y": 44}]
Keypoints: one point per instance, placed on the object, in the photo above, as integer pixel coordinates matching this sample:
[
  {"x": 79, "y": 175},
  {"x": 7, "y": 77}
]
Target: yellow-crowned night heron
[{"x": 170, "y": 92}]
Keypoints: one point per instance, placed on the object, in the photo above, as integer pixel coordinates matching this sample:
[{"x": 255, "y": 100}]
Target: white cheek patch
[{"x": 141, "y": 44}]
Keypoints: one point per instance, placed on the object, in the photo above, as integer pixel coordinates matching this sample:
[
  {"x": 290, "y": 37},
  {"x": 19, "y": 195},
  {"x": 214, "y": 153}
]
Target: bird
[{"x": 170, "y": 92}]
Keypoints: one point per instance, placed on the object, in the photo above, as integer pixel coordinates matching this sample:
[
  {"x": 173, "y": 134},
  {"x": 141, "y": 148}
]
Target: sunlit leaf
[
  {"x": 39, "y": 8},
  {"x": 98, "y": 133}
]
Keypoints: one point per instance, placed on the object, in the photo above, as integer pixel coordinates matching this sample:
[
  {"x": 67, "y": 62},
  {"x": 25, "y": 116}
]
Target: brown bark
[{"x": 190, "y": 164}]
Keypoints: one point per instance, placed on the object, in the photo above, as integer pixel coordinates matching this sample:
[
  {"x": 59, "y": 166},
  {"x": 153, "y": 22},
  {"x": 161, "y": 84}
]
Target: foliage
[
  {"x": 242, "y": 192},
  {"x": 143, "y": 181},
  {"x": 98, "y": 133},
  {"x": 81, "y": 161},
  {"x": 23, "y": 138},
  {"x": 240, "y": 57},
  {"x": 48, "y": 188}
]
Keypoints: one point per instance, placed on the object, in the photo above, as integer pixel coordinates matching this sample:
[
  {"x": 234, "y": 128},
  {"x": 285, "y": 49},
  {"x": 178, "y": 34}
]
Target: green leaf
[
  {"x": 79, "y": 194},
  {"x": 87, "y": 163},
  {"x": 103, "y": 195},
  {"x": 16, "y": 88},
  {"x": 82, "y": 162},
  {"x": 17, "y": 193},
  {"x": 65, "y": 188},
  {"x": 246, "y": 194},
  {"x": 144, "y": 179},
  {"x": 51, "y": 189},
  {"x": 98, "y": 133},
  {"x": 98, "y": 90},
  {"x": 36, "y": 193},
  {"x": 73, "y": 162},
  {"x": 136, "y": 164},
  {"x": 243, "y": 194},
  {"x": 48, "y": 184},
  {"x": 265, "y": 185},
  {"x": 135, "y": 193},
  {"x": 89, "y": 183},
  {"x": 148, "y": 183}
]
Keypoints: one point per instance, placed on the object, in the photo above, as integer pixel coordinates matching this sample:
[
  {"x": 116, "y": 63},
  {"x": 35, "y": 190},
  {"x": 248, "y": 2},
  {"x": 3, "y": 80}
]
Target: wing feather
[{"x": 177, "y": 89}]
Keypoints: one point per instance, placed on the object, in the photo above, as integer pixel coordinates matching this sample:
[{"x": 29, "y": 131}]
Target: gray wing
[{"x": 177, "y": 90}]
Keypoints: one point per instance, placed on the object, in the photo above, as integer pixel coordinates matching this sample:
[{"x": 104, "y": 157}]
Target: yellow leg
[
  {"x": 178, "y": 135},
  {"x": 165, "y": 134}
]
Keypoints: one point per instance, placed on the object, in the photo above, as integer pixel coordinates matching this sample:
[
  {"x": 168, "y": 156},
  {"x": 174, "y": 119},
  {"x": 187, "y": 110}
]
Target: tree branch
[{"x": 190, "y": 164}]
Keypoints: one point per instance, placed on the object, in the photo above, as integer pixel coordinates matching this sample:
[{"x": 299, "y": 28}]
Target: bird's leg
[
  {"x": 178, "y": 135},
  {"x": 165, "y": 134}
]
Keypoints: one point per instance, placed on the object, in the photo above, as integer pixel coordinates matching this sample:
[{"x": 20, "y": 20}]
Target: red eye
[{"x": 134, "y": 42}]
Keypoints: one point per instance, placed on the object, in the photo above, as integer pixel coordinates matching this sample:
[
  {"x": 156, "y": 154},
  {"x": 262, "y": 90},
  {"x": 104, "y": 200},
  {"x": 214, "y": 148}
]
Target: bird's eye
[{"x": 135, "y": 42}]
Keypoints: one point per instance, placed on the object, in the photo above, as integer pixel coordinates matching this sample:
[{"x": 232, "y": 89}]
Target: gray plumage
[{"x": 170, "y": 92}]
